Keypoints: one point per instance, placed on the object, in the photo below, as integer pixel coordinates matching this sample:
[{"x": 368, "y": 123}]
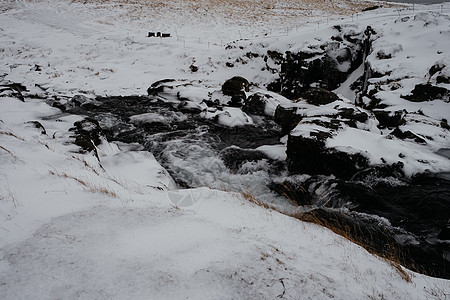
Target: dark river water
[{"x": 386, "y": 219}]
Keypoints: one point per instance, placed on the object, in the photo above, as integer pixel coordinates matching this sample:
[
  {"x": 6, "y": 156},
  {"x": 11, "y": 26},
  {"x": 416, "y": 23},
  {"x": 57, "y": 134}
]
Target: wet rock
[
  {"x": 234, "y": 158},
  {"x": 287, "y": 118},
  {"x": 427, "y": 92},
  {"x": 379, "y": 175},
  {"x": 88, "y": 134},
  {"x": 293, "y": 190},
  {"x": 389, "y": 119},
  {"x": 256, "y": 104},
  {"x": 246, "y": 137},
  {"x": 236, "y": 88},
  {"x": 310, "y": 156},
  {"x": 319, "y": 96},
  {"x": 443, "y": 79}
]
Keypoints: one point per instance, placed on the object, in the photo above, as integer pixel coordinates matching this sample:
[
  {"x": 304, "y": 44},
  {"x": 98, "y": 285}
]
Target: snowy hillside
[{"x": 112, "y": 223}]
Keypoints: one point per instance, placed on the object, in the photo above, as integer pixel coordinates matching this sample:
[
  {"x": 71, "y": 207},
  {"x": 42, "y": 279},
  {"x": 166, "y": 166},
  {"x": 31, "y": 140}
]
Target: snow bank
[{"x": 74, "y": 226}]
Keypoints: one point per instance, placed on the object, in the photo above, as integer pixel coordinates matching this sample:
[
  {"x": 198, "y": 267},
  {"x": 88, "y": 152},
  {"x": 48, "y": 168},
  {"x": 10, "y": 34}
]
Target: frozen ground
[{"x": 75, "y": 227}]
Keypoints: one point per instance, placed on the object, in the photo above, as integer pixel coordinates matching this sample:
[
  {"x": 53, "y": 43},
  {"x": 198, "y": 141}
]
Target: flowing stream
[{"x": 199, "y": 152}]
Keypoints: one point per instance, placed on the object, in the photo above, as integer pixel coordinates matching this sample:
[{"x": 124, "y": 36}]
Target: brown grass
[
  {"x": 249, "y": 195},
  {"x": 10, "y": 196},
  {"x": 390, "y": 252},
  {"x": 238, "y": 12},
  {"x": 87, "y": 185},
  {"x": 12, "y": 134}
]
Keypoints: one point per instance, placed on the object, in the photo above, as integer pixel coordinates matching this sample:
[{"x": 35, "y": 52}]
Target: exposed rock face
[
  {"x": 287, "y": 118},
  {"x": 319, "y": 96},
  {"x": 310, "y": 156},
  {"x": 88, "y": 134},
  {"x": 236, "y": 88},
  {"x": 389, "y": 119},
  {"x": 428, "y": 92},
  {"x": 256, "y": 104},
  {"x": 325, "y": 66},
  {"x": 234, "y": 158}
]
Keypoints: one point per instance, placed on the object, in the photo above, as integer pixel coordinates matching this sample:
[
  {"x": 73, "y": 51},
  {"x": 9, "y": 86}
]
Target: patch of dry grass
[
  {"x": 89, "y": 186},
  {"x": 237, "y": 12},
  {"x": 249, "y": 195},
  {"x": 389, "y": 252},
  {"x": 9, "y": 133}
]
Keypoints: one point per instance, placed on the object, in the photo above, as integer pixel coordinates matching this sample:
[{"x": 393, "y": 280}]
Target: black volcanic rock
[
  {"x": 319, "y": 96},
  {"x": 236, "y": 88},
  {"x": 287, "y": 118},
  {"x": 310, "y": 156},
  {"x": 255, "y": 104},
  {"x": 427, "y": 92}
]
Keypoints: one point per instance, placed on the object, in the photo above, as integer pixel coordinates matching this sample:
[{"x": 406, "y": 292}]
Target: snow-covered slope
[{"x": 74, "y": 225}]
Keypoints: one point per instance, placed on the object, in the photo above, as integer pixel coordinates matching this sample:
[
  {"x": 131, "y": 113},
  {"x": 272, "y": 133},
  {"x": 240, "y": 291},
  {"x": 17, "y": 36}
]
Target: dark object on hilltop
[
  {"x": 158, "y": 34},
  {"x": 372, "y": 8}
]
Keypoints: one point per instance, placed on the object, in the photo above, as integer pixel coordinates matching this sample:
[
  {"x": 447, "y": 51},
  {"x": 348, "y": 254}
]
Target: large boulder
[
  {"x": 287, "y": 118},
  {"x": 88, "y": 134},
  {"x": 427, "y": 92},
  {"x": 311, "y": 156},
  {"x": 256, "y": 104},
  {"x": 319, "y": 96},
  {"x": 236, "y": 88}
]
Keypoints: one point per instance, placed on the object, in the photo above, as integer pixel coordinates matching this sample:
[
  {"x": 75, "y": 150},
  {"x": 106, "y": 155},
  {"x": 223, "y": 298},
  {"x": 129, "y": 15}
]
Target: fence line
[{"x": 209, "y": 44}]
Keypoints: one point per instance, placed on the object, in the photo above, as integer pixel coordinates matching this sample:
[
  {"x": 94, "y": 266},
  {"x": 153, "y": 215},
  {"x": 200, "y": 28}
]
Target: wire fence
[{"x": 204, "y": 40}]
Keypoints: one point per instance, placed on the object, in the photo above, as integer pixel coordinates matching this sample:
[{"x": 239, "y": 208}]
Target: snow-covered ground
[{"x": 74, "y": 226}]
